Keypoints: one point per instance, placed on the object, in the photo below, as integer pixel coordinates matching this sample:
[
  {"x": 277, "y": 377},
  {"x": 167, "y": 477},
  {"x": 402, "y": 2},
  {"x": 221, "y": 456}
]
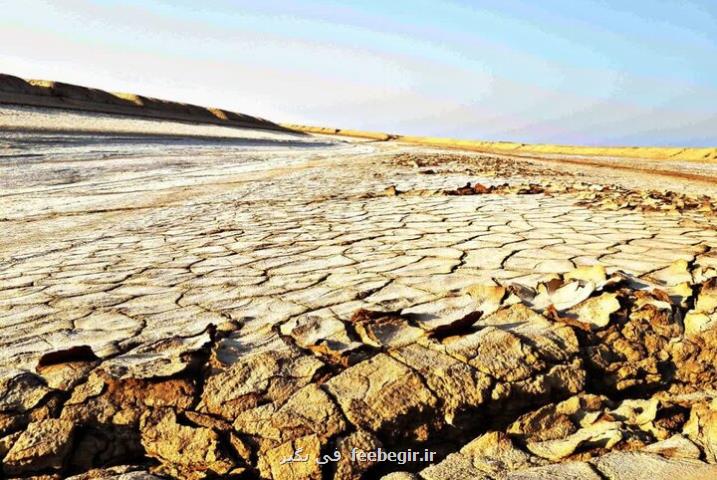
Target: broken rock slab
[
  {"x": 558, "y": 471},
  {"x": 386, "y": 397},
  {"x": 558, "y": 420},
  {"x": 104, "y": 400},
  {"x": 347, "y": 468},
  {"x": 604, "y": 433},
  {"x": 446, "y": 313},
  {"x": 21, "y": 390},
  {"x": 158, "y": 359},
  {"x": 460, "y": 387},
  {"x": 489, "y": 456},
  {"x": 274, "y": 466},
  {"x": 703, "y": 316},
  {"x": 554, "y": 342},
  {"x": 634, "y": 351},
  {"x": 701, "y": 428},
  {"x": 310, "y": 411},
  {"x": 43, "y": 446},
  {"x": 497, "y": 353},
  {"x": 252, "y": 370},
  {"x": 640, "y": 465},
  {"x": 182, "y": 450},
  {"x": 675, "y": 446},
  {"x": 325, "y": 335},
  {"x": 596, "y": 312},
  {"x": 385, "y": 329}
]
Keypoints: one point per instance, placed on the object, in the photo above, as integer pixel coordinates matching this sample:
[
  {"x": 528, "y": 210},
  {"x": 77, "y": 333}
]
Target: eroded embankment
[{"x": 45, "y": 93}]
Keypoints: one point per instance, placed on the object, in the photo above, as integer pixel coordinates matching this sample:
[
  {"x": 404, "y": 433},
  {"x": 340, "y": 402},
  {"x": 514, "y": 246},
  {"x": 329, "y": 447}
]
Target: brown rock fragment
[
  {"x": 694, "y": 361},
  {"x": 182, "y": 450},
  {"x": 274, "y": 465},
  {"x": 254, "y": 370},
  {"x": 497, "y": 353},
  {"x": 554, "y": 421},
  {"x": 348, "y": 469},
  {"x": 675, "y": 446},
  {"x": 326, "y": 336},
  {"x": 7, "y": 442},
  {"x": 106, "y": 400},
  {"x": 595, "y": 312},
  {"x": 468, "y": 189},
  {"x": 703, "y": 316},
  {"x": 559, "y": 381},
  {"x": 634, "y": 351},
  {"x": 603, "y": 433},
  {"x": 384, "y": 329},
  {"x": 64, "y": 369},
  {"x": 21, "y": 390},
  {"x": 445, "y": 314},
  {"x": 42, "y": 446},
  {"x": 310, "y": 411},
  {"x": 208, "y": 421},
  {"x": 488, "y": 297},
  {"x": 555, "y": 343},
  {"x": 109, "y": 412},
  {"x": 701, "y": 428},
  {"x": 494, "y": 454}
]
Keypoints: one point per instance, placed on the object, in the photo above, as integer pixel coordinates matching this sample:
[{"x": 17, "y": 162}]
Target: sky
[{"x": 600, "y": 72}]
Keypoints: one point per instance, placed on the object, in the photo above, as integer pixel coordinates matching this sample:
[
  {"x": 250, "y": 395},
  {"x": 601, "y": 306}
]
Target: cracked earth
[{"x": 203, "y": 306}]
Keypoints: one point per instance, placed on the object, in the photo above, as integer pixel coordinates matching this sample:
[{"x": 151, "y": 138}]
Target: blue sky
[{"x": 589, "y": 72}]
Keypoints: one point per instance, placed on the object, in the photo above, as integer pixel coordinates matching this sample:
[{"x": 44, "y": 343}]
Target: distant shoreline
[{"x": 682, "y": 154}]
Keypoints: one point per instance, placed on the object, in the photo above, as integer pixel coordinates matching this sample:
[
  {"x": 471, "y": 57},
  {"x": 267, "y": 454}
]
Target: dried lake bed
[{"x": 194, "y": 301}]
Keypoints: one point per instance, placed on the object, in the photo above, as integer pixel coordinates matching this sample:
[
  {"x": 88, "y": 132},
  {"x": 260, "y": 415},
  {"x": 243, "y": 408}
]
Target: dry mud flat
[{"x": 205, "y": 311}]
